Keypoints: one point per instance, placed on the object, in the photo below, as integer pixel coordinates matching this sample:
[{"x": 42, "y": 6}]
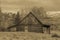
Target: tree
[
  {"x": 43, "y": 12},
  {"x": 40, "y": 12},
  {"x": 17, "y": 18}
]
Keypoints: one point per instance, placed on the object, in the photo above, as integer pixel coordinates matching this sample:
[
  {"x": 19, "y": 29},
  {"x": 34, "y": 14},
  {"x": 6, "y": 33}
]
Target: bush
[
  {"x": 55, "y": 35},
  {"x": 2, "y": 29}
]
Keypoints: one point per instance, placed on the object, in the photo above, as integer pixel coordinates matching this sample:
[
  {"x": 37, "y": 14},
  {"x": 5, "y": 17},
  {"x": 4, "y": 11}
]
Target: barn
[{"x": 30, "y": 23}]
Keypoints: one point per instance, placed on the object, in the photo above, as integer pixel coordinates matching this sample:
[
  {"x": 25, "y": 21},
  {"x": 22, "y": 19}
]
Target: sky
[{"x": 17, "y": 5}]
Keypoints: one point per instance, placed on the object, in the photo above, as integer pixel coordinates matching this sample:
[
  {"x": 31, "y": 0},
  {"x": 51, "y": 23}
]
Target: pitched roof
[{"x": 31, "y": 17}]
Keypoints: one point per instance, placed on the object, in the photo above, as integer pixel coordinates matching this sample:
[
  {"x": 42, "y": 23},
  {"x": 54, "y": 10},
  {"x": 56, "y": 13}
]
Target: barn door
[{"x": 26, "y": 28}]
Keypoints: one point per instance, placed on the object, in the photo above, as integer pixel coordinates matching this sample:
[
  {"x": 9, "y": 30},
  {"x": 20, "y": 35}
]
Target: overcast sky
[{"x": 13, "y": 5}]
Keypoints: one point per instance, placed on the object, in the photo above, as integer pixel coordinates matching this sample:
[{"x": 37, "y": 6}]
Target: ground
[{"x": 26, "y": 36}]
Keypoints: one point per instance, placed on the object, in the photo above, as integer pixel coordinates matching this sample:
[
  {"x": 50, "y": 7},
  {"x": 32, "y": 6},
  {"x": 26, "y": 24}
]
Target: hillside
[{"x": 53, "y": 14}]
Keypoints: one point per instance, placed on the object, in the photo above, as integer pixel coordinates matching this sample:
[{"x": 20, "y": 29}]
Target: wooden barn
[{"x": 30, "y": 23}]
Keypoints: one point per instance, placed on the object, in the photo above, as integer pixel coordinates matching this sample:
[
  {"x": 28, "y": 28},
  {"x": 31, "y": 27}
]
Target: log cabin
[{"x": 31, "y": 23}]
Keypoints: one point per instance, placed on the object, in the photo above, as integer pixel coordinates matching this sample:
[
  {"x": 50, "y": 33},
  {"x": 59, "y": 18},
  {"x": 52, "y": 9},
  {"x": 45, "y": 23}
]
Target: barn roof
[
  {"x": 32, "y": 19},
  {"x": 41, "y": 19}
]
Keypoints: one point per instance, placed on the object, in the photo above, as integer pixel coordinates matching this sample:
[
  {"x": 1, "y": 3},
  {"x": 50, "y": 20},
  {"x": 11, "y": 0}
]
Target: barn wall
[
  {"x": 30, "y": 28},
  {"x": 36, "y": 28}
]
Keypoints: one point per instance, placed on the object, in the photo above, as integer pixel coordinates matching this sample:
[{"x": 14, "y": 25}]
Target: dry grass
[{"x": 25, "y": 36}]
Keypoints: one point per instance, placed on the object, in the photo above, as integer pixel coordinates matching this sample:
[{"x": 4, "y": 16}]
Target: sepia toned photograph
[{"x": 29, "y": 19}]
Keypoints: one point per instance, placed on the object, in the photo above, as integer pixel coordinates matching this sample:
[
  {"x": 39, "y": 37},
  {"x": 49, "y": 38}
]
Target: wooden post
[
  {"x": 49, "y": 30},
  {"x": 42, "y": 30}
]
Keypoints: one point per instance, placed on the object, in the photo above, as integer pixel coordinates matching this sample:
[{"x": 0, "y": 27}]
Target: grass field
[{"x": 26, "y": 36}]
